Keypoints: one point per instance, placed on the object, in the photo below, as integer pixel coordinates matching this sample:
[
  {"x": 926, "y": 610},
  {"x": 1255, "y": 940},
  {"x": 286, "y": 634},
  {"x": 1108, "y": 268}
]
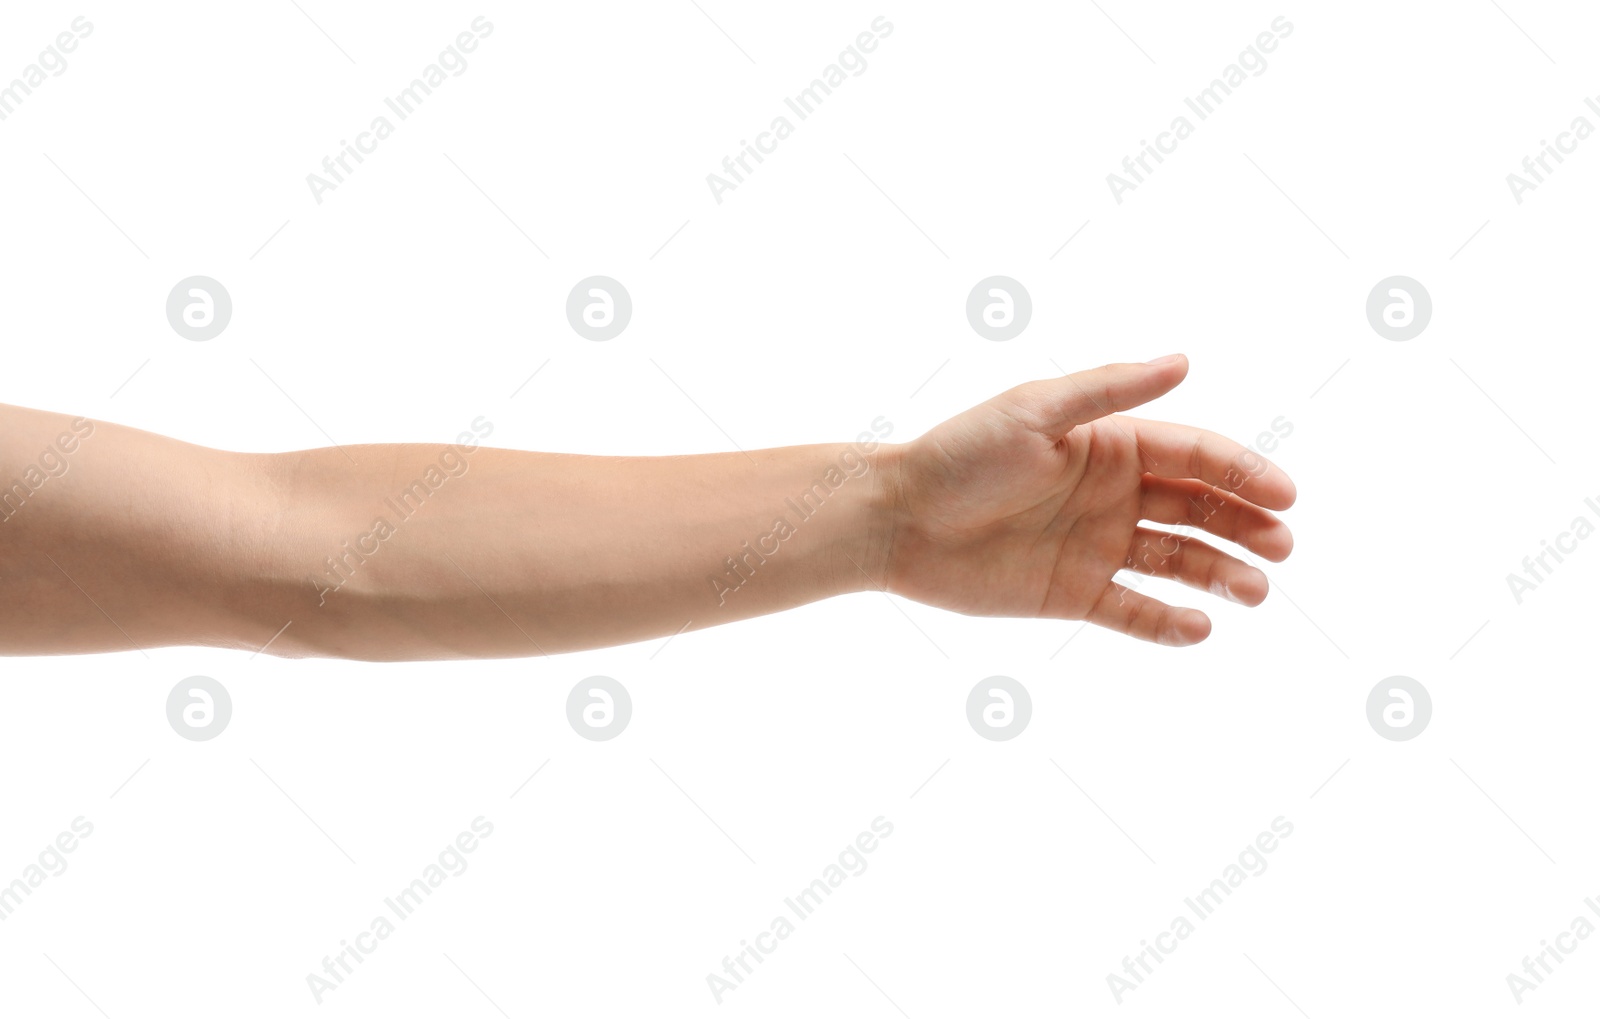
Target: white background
[{"x": 809, "y": 302}]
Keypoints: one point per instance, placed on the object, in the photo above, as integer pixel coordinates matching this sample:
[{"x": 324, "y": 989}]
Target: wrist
[{"x": 864, "y": 549}]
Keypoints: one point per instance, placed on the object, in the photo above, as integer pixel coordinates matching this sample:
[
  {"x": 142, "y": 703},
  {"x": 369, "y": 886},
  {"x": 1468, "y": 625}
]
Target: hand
[{"x": 1029, "y": 504}]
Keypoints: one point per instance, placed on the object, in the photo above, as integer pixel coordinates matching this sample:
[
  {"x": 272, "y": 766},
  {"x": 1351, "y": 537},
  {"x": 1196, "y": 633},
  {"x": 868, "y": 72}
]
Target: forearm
[
  {"x": 419, "y": 551},
  {"x": 429, "y": 552}
]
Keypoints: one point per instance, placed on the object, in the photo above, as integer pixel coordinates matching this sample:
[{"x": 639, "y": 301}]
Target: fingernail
[{"x": 1166, "y": 360}]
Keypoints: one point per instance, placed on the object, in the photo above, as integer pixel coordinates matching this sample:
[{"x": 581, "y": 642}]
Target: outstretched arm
[{"x": 1026, "y": 505}]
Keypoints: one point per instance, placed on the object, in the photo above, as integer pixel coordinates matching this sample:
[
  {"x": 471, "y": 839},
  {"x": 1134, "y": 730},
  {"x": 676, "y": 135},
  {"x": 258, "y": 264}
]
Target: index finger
[{"x": 1183, "y": 451}]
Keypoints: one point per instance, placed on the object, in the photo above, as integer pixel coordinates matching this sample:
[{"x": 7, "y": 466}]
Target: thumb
[{"x": 1071, "y": 400}]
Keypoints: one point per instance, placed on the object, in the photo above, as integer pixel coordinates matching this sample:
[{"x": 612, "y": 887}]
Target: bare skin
[{"x": 1026, "y": 505}]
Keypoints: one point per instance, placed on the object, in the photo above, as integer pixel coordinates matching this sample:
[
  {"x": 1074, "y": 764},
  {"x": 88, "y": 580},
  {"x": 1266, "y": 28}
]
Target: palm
[{"x": 1015, "y": 512}]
